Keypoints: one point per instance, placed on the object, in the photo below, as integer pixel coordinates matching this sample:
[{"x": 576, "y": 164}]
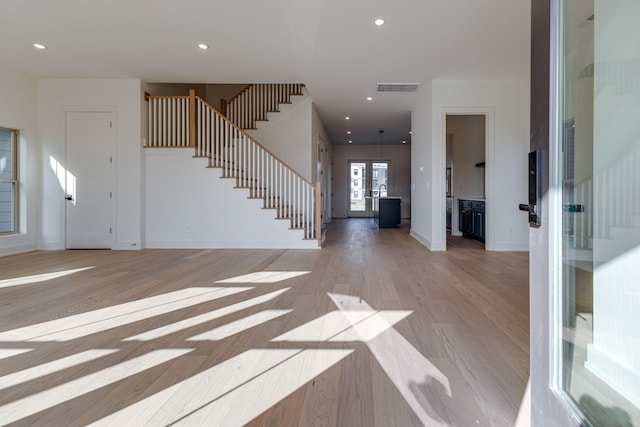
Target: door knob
[{"x": 68, "y": 197}]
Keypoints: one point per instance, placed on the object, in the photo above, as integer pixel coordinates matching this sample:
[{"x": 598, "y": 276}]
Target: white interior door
[{"x": 89, "y": 177}]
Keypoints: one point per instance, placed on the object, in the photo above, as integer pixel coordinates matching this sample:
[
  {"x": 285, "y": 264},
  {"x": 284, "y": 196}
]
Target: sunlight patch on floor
[
  {"x": 265, "y": 277},
  {"x": 36, "y": 278},
  {"x": 240, "y": 325},
  {"x": 80, "y": 325},
  {"x": 40, "y": 401},
  {"x": 203, "y": 318},
  {"x": 34, "y": 372},
  {"x": 524, "y": 413},
  {"x": 231, "y": 393},
  {"x": 405, "y": 366},
  {"x": 338, "y": 326}
]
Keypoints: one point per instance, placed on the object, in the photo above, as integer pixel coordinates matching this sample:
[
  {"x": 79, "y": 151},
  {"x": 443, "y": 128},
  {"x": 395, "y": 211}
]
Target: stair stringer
[{"x": 189, "y": 206}]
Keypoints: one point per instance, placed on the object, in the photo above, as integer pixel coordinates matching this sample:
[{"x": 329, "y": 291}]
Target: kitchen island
[{"x": 386, "y": 211}]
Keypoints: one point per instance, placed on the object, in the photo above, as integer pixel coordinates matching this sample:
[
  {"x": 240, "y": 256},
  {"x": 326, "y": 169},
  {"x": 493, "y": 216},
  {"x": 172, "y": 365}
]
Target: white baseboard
[
  {"x": 18, "y": 249},
  {"x": 434, "y": 247},
  {"x": 270, "y": 244},
  {"x": 511, "y": 246},
  {"x": 51, "y": 246},
  {"x": 126, "y": 246}
]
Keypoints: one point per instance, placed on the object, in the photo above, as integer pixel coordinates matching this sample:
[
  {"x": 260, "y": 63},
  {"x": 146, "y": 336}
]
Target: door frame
[
  {"x": 322, "y": 176},
  {"x": 548, "y": 406},
  {"x": 113, "y": 178}
]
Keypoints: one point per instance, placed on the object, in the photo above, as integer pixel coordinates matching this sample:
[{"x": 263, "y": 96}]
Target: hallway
[{"x": 372, "y": 330}]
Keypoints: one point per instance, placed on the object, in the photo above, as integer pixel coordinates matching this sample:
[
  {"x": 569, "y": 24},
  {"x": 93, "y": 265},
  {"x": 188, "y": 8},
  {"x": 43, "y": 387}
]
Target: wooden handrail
[{"x": 254, "y": 141}]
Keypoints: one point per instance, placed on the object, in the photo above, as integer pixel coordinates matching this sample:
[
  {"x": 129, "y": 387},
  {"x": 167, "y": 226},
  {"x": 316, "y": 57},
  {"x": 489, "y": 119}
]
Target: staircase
[
  {"x": 190, "y": 122},
  {"x": 254, "y": 103},
  {"x": 608, "y": 214}
]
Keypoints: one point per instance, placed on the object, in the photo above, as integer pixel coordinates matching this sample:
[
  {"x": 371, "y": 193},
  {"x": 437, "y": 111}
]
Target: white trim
[
  {"x": 51, "y": 246},
  {"x": 421, "y": 239},
  {"x": 233, "y": 244},
  {"x": 17, "y": 249},
  {"x": 511, "y": 246},
  {"x": 126, "y": 246}
]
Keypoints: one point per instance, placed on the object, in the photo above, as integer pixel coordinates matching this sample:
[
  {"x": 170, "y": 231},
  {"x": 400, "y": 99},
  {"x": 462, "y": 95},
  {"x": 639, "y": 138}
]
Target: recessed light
[
  {"x": 349, "y": 132},
  {"x": 350, "y": 142},
  {"x": 347, "y": 118},
  {"x": 203, "y": 46},
  {"x": 410, "y": 133},
  {"x": 369, "y": 98},
  {"x": 379, "y": 22},
  {"x": 39, "y": 46},
  {"x": 404, "y": 141}
]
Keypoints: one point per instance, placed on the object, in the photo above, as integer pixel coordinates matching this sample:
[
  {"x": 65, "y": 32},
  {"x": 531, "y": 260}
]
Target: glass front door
[
  {"x": 368, "y": 180},
  {"x": 596, "y": 171}
]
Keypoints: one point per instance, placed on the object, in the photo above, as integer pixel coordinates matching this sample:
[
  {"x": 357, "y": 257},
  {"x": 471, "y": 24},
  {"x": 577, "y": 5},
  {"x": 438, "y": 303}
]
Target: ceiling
[{"x": 332, "y": 46}]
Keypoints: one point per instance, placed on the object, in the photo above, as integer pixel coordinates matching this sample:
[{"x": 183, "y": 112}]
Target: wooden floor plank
[{"x": 453, "y": 350}]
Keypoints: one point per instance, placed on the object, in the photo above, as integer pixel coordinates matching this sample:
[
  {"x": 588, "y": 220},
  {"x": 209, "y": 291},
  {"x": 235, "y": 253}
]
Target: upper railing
[
  {"x": 254, "y": 102},
  {"x": 190, "y": 122}
]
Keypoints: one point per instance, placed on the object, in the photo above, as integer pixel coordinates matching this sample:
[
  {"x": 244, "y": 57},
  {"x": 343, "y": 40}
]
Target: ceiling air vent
[{"x": 398, "y": 87}]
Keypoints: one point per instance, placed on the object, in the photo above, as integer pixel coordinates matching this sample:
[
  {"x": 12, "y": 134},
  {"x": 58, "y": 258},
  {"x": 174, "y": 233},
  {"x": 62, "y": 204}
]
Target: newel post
[
  {"x": 192, "y": 118},
  {"x": 318, "y": 213}
]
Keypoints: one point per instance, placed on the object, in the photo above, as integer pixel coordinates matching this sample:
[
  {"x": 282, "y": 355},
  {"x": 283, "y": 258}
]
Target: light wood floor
[{"x": 378, "y": 332}]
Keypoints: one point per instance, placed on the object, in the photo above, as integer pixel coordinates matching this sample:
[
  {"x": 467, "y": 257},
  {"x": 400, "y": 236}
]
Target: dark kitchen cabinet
[
  {"x": 472, "y": 218},
  {"x": 387, "y": 214}
]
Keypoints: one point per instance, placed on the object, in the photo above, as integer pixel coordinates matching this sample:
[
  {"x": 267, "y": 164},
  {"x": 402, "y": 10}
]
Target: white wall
[
  {"x": 422, "y": 168},
  {"x": 289, "y": 135},
  {"x": 400, "y": 173},
  {"x": 55, "y": 97},
  {"x": 468, "y": 149},
  {"x": 18, "y": 111},
  {"x": 506, "y": 106},
  {"x": 193, "y": 208}
]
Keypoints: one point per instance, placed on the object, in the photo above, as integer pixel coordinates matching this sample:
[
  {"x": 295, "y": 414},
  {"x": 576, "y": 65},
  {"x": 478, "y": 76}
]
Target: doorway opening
[{"x": 465, "y": 176}]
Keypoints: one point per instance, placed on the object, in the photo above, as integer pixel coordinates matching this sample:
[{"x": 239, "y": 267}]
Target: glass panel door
[
  {"x": 368, "y": 180},
  {"x": 379, "y": 181},
  {"x": 358, "y": 189},
  {"x": 598, "y": 173}
]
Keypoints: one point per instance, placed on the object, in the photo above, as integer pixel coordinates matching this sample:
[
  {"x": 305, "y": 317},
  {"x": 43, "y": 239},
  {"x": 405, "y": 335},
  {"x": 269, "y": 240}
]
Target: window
[
  {"x": 8, "y": 181},
  {"x": 355, "y": 182}
]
